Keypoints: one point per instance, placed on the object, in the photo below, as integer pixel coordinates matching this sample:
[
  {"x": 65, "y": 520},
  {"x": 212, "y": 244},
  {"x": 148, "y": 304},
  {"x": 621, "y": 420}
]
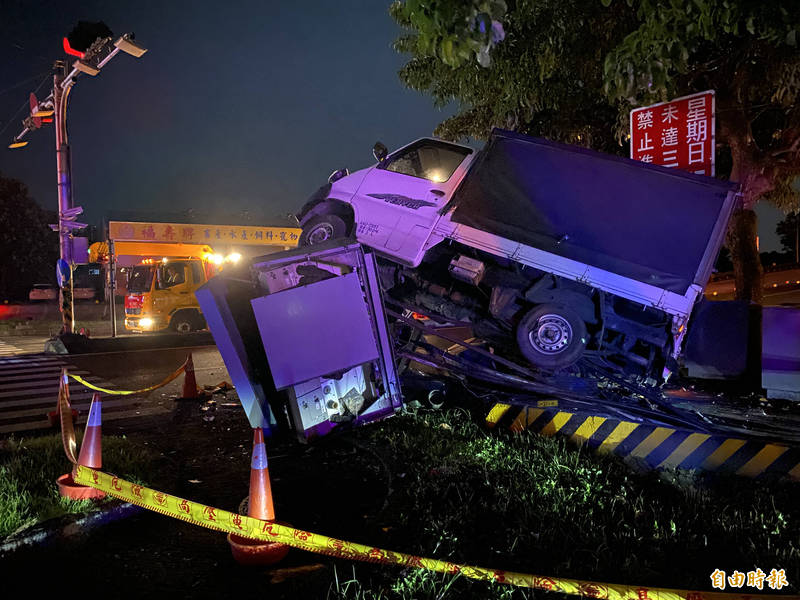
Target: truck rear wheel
[
  {"x": 552, "y": 336},
  {"x": 322, "y": 228}
]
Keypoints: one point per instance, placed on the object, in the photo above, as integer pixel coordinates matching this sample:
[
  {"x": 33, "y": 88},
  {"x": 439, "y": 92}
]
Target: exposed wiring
[{"x": 23, "y": 82}]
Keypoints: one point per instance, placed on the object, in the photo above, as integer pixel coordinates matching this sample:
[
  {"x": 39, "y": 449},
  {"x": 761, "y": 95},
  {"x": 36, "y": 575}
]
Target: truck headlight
[{"x": 145, "y": 323}]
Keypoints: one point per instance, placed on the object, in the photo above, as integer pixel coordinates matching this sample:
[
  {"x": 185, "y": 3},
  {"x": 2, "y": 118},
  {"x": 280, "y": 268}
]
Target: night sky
[{"x": 238, "y": 108}]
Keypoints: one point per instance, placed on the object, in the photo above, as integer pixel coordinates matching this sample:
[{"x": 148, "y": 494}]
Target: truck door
[
  {"x": 400, "y": 199},
  {"x": 175, "y": 279}
]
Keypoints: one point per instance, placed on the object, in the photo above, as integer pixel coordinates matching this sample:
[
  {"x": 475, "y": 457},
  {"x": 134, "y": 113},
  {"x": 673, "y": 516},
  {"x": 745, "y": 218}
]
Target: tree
[
  {"x": 788, "y": 231},
  {"x": 545, "y": 76},
  {"x": 747, "y": 52},
  {"x": 28, "y": 246},
  {"x": 572, "y": 71}
]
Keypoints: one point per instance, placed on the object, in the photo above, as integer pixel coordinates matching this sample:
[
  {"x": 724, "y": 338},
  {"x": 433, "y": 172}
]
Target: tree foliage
[
  {"x": 545, "y": 78},
  {"x": 453, "y": 31},
  {"x": 28, "y": 247},
  {"x": 572, "y": 70},
  {"x": 747, "y": 51}
]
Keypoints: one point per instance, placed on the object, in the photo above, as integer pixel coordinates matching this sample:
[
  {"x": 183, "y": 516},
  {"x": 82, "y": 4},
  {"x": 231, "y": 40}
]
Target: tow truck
[{"x": 161, "y": 289}]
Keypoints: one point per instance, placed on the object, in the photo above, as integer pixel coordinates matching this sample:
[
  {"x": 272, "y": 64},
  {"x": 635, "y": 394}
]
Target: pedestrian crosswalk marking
[
  {"x": 29, "y": 390},
  {"x": 49, "y": 382},
  {"x": 44, "y": 401},
  {"x": 26, "y": 376}
]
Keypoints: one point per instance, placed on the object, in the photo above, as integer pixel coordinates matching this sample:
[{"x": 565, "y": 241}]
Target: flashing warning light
[
  {"x": 47, "y": 119},
  {"x": 71, "y": 51}
]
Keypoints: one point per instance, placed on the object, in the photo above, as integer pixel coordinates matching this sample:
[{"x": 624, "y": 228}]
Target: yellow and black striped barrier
[{"x": 654, "y": 446}]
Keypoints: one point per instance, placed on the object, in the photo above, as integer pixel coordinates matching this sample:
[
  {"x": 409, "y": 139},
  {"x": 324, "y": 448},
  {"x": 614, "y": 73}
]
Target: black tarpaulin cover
[{"x": 644, "y": 222}]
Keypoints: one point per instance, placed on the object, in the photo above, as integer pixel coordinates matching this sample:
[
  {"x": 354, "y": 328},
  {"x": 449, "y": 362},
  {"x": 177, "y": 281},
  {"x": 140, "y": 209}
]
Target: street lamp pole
[
  {"x": 90, "y": 62},
  {"x": 63, "y": 168}
]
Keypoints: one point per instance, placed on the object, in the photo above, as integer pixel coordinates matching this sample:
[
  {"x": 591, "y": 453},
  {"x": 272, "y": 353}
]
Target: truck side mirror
[{"x": 380, "y": 152}]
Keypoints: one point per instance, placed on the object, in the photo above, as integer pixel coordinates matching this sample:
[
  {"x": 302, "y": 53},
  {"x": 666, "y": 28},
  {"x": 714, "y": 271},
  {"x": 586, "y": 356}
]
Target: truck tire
[
  {"x": 552, "y": 336},
  {"x": 322, "y": 228},
  {"x": 183, "y": 321}
]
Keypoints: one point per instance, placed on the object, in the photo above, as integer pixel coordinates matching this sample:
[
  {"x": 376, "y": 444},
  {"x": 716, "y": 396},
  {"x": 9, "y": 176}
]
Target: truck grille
[{"x": 133, "y": 311}]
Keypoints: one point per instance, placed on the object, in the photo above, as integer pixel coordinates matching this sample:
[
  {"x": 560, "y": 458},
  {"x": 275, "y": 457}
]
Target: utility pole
[
  {"x": 112, "y": 285},
  {"x": 64, "y": 174},
  {"x": 92, "y": 56}
]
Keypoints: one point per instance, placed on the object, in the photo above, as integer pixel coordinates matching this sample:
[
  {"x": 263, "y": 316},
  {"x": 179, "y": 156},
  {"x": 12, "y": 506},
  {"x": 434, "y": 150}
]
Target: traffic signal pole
[
  {"x": 89, "y": 62},
  {"x": 63, "y": 167}
]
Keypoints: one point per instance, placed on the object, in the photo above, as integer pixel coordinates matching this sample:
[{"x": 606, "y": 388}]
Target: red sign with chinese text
[{"x": 679, "y": 133}]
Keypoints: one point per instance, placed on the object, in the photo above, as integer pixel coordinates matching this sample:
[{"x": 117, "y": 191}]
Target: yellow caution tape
[
  {"x": 91, "y": 386},
  {"x": 228, "y": 522}
]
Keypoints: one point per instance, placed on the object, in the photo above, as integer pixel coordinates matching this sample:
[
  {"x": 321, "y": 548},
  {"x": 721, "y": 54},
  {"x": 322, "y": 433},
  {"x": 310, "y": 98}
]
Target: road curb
[
  {"x": 68, "y": 526},
  {"x": 78, "y": 344}
]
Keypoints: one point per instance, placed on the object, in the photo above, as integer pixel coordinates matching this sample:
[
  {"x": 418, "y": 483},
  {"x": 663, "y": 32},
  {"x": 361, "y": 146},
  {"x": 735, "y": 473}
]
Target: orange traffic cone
[
  {"x": 53, "y": 417},
  {"x": 90, "y": 456},
  {"x": 190, "y": 389},
  {"x": 254, "y": 552}
]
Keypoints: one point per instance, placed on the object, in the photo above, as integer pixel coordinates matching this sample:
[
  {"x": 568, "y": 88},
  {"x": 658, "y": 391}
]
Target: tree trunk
[
  {"x": 743, "y": 228},
  {"x": 741, "y": 242}
]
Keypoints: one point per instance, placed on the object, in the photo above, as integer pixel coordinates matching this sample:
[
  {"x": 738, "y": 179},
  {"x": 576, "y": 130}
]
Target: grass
[
  {"x": 537, "y": 505},
  {"x": 29, "y": 469}
]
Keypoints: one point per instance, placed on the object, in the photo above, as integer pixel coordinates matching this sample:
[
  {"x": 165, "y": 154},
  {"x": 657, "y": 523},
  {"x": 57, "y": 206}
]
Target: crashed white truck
[{"x": 570, "y": 252}]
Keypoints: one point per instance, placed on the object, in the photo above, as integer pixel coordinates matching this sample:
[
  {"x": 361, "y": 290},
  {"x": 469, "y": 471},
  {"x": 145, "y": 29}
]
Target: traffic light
[
  {"x": 90, "y": 42},
  {"x": 84, "y": 34}
]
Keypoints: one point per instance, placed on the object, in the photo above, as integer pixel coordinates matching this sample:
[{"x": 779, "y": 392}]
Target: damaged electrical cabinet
[{"x": 317, "y": 321}]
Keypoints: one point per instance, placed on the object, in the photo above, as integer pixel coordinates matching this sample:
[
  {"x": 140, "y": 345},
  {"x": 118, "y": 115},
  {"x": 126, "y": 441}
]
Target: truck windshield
[
  {"x": 171, "y": 274},
  {"x": 140, "y": 279},
  {"x": 430, "y": 159}
]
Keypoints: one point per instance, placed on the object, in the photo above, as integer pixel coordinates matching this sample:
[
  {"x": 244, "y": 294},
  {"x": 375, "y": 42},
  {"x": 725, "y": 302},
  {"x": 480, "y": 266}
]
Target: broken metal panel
[
  {"x": 324, "y": 330},
  {"x": 372, "y": 291},
  {"x": 217, "y": 310},
  {"x": 310, "y": 331},
  {"x": 780, "y": 352}
]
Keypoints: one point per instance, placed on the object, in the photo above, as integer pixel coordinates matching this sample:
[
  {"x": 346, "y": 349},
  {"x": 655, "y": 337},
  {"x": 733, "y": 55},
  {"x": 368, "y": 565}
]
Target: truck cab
[
  {"x": 393, "y": 205},
  {"x": 161, "y": 295}
]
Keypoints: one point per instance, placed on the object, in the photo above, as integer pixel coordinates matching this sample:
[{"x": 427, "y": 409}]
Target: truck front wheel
[
  {"x": 322, "y": 228},
  {"x": 552, "y": 336},
  {"x": 184, "y": 321}
]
